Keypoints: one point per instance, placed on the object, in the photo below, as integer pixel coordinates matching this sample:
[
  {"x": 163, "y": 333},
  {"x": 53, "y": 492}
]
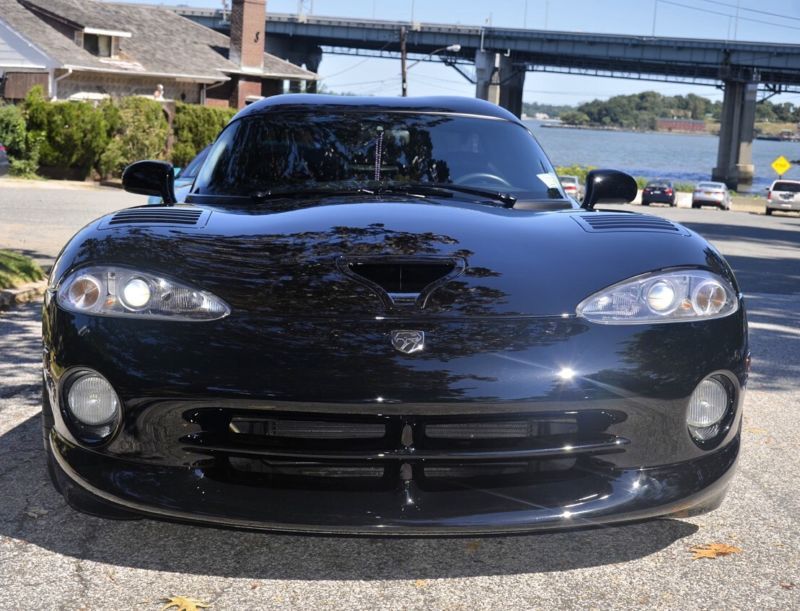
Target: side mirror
[
  {"x": 608, "y": 187},
  {"x": 150, "y": 178}
]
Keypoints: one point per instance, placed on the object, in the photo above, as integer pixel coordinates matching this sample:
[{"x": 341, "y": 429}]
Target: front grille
[{"x": 377, "y": 452}]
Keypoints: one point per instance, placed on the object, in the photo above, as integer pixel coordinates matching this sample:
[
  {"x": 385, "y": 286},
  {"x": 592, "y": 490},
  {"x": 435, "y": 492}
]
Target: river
[{"x": 680, "y": 157}]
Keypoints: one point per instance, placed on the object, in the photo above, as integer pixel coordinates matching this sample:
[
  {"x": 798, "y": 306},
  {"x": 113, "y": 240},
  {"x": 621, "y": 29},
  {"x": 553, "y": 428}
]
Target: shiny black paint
[
  {"x": 307, "y": 340},
  {"x": 608, "y": 187}
]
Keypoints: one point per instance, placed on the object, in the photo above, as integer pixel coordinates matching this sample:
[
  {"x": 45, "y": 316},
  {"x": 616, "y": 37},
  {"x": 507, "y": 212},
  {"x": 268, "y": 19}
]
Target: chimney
[{"x": 247, "y": 33}]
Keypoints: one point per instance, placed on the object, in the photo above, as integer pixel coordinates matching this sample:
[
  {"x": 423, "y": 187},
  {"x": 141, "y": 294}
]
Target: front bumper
[
  {"x": 590, "y": 498},
  {"x": 603, "y": 410}
]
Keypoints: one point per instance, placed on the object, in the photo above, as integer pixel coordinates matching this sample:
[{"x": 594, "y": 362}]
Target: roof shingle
[{"x": 161, "y": 42}]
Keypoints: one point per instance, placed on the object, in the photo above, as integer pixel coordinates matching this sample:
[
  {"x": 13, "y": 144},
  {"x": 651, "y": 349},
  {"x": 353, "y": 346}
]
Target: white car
[{"x": 783, "y": 195}]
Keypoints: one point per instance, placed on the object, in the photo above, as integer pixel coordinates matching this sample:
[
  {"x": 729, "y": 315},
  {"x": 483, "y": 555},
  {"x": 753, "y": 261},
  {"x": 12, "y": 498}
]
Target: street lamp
[{"x": 454, "y": 48}]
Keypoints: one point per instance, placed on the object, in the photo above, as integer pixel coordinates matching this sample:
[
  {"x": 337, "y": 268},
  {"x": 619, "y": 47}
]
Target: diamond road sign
[{"x": 781, "y": 165}]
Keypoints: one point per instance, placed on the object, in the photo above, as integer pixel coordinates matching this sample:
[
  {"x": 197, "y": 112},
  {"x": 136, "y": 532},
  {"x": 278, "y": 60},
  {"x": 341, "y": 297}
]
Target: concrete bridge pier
[
  {"x": 737, "y": 124},
  {"x": 499, "y": 81}
]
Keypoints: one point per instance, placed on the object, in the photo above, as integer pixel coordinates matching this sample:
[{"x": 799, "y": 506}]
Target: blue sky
[{"x": 759, "y": 20}]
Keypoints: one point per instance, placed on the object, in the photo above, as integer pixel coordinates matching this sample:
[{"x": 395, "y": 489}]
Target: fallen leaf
[
  {"x": 713, "y": 550},
  {"x": 184, "y": 603},
  {"x": 420, "y": 583},
  {"x": 36, "y": 512},
  {"x": 787, "y": 586},
  {"x": 473, "y": 546},
  {"x": 756, "y": 430},
  {"x": 254, "y": 585}
]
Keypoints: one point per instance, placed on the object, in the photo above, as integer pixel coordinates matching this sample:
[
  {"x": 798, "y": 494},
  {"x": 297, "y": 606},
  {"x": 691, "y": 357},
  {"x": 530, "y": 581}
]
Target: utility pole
[
  {"x": 403, "y": 57},
  {"x": 736, "y": 21},
  {"x": 655, "y": 14}
]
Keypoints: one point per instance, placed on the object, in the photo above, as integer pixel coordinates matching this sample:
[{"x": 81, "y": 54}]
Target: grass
[
  {"x": 16, "y": 269},
  {"x": 580, "y": 171}
]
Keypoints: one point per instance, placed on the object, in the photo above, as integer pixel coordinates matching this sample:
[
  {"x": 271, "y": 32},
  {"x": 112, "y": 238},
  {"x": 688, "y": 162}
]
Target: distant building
[
  {"x": 680, "y": 125},
  {"x": 85, "y": 49}
]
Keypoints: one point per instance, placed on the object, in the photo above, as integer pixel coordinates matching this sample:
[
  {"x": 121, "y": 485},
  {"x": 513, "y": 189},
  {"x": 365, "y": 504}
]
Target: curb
[{"x": 26, "y": 293}]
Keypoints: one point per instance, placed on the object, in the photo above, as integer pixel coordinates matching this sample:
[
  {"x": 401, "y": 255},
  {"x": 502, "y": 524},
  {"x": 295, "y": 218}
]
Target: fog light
[
  {"x": 93, "y": 403},
  {"x": 707, "y": 407}
]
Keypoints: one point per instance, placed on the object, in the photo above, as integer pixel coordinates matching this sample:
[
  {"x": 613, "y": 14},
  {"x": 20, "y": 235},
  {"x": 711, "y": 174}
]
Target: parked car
[
  {"x": 184, "y": 178},
  {"x": 572, "y": 186},
  {"x": 4, "y": 163},
  {"x": 658, "y": 191},
  {"x": 370, "y": 316},
  {"x": 711, "y": 194},
  {"x": 783, "y": 195}
]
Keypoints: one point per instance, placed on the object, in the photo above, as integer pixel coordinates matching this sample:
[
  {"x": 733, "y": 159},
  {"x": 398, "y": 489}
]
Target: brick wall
[{"x": 247, "y": 33}]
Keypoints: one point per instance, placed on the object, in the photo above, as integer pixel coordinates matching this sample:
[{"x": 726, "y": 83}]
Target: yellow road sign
[{"x": 781, "y": 165}]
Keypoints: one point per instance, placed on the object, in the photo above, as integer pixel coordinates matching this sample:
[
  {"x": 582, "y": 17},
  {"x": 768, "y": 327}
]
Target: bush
[
  {"x": 139, "y": 131},
  {"x": 196, "y": 127},
  {"x": 77, "y": 135},
  {"x": 575, "y": 170},
  {"x": 13, "y": 130}
]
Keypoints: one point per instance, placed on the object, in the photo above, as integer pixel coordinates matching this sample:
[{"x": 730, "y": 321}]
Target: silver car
[
  {"x": 711, "y": 194},
  {"x": 783, "y": 195}
]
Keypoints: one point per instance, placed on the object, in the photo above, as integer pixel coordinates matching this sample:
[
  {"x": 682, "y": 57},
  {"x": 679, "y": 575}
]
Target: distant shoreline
[{"x": 613, "y": 128}]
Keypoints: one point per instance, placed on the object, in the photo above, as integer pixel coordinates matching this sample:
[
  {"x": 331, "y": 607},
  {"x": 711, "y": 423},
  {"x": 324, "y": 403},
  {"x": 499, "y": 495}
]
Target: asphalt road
[{"x": 54, "y": 558}]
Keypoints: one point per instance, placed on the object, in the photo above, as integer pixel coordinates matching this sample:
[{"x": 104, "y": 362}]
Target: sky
[{"x": 758, "y": 20}]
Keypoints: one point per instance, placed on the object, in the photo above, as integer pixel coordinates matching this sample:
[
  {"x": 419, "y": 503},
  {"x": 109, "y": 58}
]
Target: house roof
[{"x": 161, "y": 42}]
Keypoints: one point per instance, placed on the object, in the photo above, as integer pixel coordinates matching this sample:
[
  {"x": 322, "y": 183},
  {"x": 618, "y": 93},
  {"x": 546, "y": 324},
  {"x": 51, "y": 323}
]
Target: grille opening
[
  {"x": 402, "y": 277},
  {"x": 155, "y": 216},
  {"x": 625, "y": 222},
  {"x": 306, "y": 429}
]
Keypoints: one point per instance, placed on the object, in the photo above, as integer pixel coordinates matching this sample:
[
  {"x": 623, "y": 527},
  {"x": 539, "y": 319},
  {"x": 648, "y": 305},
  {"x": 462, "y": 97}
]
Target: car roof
[
  {"x": 793, "y": 182},
  {"x": 315, "y": 102}
]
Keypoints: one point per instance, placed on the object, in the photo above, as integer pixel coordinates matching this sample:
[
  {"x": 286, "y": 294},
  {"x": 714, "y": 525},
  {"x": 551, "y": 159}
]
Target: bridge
[{"x": 502, "y": 56}]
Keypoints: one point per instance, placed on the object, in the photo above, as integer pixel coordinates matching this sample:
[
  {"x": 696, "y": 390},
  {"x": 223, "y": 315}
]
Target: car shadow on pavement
[{"x": 33, "y": 513}]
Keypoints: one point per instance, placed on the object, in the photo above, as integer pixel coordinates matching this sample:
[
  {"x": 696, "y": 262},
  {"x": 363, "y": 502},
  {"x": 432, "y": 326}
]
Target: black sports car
[{"x": 385, "y": 316}]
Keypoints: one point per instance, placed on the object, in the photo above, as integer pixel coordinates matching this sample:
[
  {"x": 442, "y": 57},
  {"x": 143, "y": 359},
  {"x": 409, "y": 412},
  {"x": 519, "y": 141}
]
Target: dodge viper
[{"x": 385, "y": 316}]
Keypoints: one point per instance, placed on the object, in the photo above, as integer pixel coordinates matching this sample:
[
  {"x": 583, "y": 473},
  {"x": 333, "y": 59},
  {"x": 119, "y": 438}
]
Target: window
[
  {"x": 97, "y": 44},
  {"x": 304, "y": 150}
]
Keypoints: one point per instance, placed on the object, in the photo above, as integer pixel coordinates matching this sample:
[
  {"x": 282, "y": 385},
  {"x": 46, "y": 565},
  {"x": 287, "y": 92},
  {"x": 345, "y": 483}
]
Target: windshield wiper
[
  {"x": 506, "y": 199},
  {"x": 262, "y": 196}
]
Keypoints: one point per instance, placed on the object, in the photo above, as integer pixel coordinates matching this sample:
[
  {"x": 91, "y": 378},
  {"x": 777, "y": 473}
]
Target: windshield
[
  {"x": 658, "y": 185},
  {"x": 711, "y": 185},
  {"x": 193, "y": 168},
  {"x": 303, "y": 151}
]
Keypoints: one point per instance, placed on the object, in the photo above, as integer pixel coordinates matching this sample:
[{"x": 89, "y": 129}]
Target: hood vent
[
  {"x": 404, "y": 281},
  {"x": 599, "y": 222},
  {"x": 152, "y": 215}
]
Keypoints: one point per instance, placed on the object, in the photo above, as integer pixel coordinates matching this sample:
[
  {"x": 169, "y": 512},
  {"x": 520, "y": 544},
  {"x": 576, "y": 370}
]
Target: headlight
[
  {"x": 118, "y": 291},
  {"x": 662, "y": 297}
]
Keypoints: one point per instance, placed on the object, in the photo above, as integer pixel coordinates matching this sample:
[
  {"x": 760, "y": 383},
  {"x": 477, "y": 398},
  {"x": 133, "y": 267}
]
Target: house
[{"x": 86, "y": 49}]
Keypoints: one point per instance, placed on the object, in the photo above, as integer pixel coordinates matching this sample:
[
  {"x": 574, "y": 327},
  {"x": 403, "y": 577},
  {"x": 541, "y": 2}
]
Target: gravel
[{"x": 52, "y": 557}]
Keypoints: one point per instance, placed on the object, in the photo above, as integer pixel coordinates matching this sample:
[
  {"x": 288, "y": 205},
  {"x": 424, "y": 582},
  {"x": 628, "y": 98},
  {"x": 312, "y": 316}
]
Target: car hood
[{"x": 481, "y": 260}]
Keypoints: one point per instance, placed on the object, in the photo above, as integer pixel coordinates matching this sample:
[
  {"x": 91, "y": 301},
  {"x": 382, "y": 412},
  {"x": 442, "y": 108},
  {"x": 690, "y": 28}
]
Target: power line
[
  {"x": 751, "y": 10},
  {"x": 712, "y": 12}
]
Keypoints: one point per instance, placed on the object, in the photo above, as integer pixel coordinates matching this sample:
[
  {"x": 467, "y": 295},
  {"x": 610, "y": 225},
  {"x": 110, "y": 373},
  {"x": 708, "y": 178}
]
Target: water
[{"x": 680, "y": 157}]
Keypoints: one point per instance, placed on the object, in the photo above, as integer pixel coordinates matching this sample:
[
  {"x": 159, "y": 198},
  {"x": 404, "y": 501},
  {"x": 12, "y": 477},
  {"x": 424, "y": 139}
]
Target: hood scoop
[
  {"x": 158, "y": 215},
  {"x": 402, "y": 281},
  {"x": 599, "y": 222}
]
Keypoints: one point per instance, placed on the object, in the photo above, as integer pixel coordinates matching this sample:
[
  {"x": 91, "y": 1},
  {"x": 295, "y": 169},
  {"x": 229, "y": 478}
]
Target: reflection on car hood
[{"x": 289, "y": 263}]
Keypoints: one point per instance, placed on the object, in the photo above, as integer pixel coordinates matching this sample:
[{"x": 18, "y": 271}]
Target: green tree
[
  {"x": 140, "y": 131},
  {"x": 574, "y": 117},
  {"x": 13, "y": 130}
]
